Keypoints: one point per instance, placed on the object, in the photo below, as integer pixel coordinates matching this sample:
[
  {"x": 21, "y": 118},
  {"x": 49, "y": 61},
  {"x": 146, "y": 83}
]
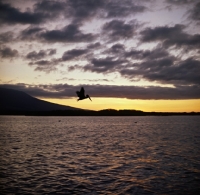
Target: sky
[{"x": 130, "y": 54}]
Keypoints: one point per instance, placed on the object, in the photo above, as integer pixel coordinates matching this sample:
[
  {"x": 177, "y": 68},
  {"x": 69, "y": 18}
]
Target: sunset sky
[{"x": 130, "y": 54}]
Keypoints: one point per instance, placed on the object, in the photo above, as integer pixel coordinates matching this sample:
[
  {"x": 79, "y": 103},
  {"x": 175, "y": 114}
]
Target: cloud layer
[
  {"x": 109, "y": 37},
  {"x": 130, "y": 92}
]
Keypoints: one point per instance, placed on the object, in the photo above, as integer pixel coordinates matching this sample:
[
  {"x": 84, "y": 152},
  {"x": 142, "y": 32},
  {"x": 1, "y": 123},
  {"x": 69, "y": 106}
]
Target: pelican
[{"x": 81, "y": 95}]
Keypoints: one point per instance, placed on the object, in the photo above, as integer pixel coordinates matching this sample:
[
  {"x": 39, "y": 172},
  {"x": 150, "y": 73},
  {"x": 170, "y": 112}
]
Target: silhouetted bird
[{"x": 81, "y": 94}]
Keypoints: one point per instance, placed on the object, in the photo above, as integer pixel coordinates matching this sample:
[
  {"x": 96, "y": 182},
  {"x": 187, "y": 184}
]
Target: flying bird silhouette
[{"x": 81, "y": 95}]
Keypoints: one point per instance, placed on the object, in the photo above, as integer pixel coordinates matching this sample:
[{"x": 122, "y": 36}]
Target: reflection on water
[{"x": 100, "y": 155}]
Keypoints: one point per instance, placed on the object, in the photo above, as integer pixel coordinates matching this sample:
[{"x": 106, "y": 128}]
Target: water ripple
[{"x": 99, "y": 155}]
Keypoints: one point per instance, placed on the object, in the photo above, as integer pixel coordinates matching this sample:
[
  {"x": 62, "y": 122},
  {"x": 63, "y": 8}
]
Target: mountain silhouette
[{"x": 11, "y": 99}]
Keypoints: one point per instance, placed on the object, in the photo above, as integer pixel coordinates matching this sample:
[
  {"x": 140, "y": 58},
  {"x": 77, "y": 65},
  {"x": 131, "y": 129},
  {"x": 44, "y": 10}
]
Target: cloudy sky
[{"x": 130, "y": 54}]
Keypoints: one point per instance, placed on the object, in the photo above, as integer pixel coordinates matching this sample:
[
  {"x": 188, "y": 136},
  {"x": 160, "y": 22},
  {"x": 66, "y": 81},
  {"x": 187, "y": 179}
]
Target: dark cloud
[
  {"x": 36, "y": 55},
  {"x": 122, "y": 9},
  {"x": 119, "y": 60},
  {"x": 94, "y": 45},
  {"x": 41, "y": 54},
  {"x": 171, "y": 36},
  {"x": 98, "y": 80},
  {"x": 102, "y": 62},
  {"x": 182, "y": 2},
  {"x": 52, "y": 52},
  {"x": 84, "y": 10},
  {"x": 7, "y": 52},
  {"x": 66, "y": 79},
  {"x": 51, "y": 65},
  {"x": 195, "y": 12},
  {"x": 129, "y": 92},
  {"x": 69, "y": 33},
  {"x": 156, "y": 65},
  {"x": 81, "y": 10},
  {"x": 116, "y": 51},
  {"x": 76, "y": 10},
  {"x": 117, "y": 48},
  {"x": 45, "y": 65},
  {"x": 90, "y": 80},
  {"x": 9, "y": 14},
  {"x": 156, "y": 53},
  {"x": 193, "y": 7},
  {"x": 74, "y": 53},
  {"x": 42, "y": 11},
  {"x": 103, "y": 65},
  {"x": 30, "y": 33},
  {"x": 133, "y": 53},
  {"x": 50, "y": 8},
  {"x": 166, "y": 70},
  {"x": 118, "y": 29},
  {"x": 161, "y": 33},
  {"x": 74, "y": 67},
  {"x": 6, "y": 37}
]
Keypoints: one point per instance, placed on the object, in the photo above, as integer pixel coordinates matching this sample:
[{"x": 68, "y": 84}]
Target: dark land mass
[
  {"x": 94, "y": 113},
  {"x": 18, "y": 101},
  {"x": 13, "y": 102}
]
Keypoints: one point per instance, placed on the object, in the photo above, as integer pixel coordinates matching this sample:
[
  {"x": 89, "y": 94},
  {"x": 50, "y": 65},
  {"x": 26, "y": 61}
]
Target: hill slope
[{"x": 11, "y": 99}]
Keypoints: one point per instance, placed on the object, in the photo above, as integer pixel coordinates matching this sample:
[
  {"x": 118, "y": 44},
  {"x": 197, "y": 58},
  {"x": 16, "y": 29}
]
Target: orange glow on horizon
[{"x": 122, "y": 103}]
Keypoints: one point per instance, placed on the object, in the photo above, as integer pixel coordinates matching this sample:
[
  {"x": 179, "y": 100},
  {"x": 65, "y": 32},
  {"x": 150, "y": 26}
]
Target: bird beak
[{"x": 89, "y": 98}]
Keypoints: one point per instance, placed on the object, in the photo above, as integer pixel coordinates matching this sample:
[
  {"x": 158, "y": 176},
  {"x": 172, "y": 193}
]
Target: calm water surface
[{"x": 100, "y": 155}]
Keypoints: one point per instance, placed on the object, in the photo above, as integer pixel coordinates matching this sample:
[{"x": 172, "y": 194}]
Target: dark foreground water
[{"x": 100, "y": 155}]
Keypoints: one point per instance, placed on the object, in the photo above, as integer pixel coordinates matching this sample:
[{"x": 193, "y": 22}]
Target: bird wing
[
  {"x": 82, "y": 92},
  {"x": 78, "y": 93}
]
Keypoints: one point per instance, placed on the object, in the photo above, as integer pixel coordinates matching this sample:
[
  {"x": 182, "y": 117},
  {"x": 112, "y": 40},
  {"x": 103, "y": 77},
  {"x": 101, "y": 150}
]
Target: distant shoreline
[{"x": 107, "y": 112}]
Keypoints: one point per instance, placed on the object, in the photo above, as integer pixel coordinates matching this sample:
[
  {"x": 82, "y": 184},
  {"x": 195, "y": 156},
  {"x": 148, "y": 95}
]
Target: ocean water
[{"x": 100, "y": 155}]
